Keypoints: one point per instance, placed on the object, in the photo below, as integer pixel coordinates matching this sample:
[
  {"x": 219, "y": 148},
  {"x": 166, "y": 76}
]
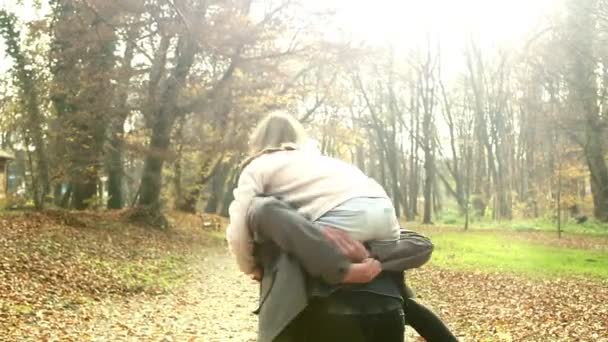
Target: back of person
[
  {"x": 323, "y": 189},
  {"x": 332, "y": 193}
]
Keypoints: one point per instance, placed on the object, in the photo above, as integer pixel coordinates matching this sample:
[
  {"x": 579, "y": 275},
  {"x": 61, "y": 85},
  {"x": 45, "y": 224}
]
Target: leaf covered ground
[
  {"x": 94, "y": 277},
  {"x": 483, "y": 306}
]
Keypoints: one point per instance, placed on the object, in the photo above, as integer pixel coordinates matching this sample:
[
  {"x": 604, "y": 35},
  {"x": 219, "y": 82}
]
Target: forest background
[{"x": 124, "y": 124}]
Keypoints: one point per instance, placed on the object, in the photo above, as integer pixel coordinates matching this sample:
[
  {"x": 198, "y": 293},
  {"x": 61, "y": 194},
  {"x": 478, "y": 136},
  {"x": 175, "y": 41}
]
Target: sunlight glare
[{"x": 399, "y": 22}]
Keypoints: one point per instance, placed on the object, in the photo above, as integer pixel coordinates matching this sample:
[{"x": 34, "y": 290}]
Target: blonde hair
[{"x": 275, "y": 131}]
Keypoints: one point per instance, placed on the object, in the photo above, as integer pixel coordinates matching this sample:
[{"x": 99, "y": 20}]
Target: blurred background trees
[{"x": 149, "y": 103}]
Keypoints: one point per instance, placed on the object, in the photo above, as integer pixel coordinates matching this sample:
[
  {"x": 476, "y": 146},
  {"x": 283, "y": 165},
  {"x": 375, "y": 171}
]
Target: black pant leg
[
  {"x": 332, "y": 327},
  {"x": 387, "y": 326},
  {"x": 383, "y": 327},
  {"x": 426, "y": 323},
  {"x": 299, "y": 329},
  {"x": 380, "y": 327}
]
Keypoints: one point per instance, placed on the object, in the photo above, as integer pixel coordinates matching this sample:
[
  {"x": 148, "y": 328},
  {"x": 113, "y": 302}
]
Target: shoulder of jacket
[{"x": 284, "y": 147}]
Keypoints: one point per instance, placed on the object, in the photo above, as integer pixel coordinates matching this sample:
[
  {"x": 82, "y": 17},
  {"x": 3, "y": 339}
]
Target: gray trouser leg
[{"x": 274, "y": 220}]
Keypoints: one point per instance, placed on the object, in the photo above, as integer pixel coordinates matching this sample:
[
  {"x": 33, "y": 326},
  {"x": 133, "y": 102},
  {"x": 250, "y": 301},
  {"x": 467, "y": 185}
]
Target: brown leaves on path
[
  {"x": 54, "y": 264},
  {"x": 501, "y": 307},
  {"x": 214, "y": 306},
  {"x": 62, "y": 278}
]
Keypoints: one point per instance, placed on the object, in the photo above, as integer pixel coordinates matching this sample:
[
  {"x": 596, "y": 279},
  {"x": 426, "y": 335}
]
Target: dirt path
[
  {"x": 216, "y": 305},
  {"x": 46, "y": 294}
]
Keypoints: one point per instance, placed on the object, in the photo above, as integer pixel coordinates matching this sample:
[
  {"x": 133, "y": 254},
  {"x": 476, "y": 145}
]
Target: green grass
[
  {"x": 451, "y": 218},
  {"x": 497, "y": 252}
]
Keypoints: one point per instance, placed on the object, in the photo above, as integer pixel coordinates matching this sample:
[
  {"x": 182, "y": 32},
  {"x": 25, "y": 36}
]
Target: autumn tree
[
  {"x": 25, "y": 79},
  {"x": 585, "y": 97},
  {"x": 83, "y": 57}
]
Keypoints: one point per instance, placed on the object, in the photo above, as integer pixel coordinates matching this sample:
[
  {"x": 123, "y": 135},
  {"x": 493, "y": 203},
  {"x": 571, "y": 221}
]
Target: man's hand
[
  {"x": 349, "y": 247},
  {"x": 363, "y": 272}
]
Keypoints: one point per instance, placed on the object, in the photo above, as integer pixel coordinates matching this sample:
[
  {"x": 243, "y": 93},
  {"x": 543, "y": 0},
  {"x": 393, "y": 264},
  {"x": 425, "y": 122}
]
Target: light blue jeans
[{"x": 364, "y": 219}]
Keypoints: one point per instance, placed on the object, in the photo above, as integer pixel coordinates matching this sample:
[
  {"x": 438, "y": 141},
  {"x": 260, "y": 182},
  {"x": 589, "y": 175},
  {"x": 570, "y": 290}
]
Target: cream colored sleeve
[{"x": 239, "y": 238}]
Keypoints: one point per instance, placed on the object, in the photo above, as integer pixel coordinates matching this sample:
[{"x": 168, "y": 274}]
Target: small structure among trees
[{"x": 5, "y": 157}]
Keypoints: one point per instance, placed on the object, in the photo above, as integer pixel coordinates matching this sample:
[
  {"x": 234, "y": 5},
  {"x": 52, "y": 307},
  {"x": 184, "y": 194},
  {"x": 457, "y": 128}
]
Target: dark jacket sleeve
[
  {"x": 411, "y": 250},
  {"x": 273, "y": 220}
]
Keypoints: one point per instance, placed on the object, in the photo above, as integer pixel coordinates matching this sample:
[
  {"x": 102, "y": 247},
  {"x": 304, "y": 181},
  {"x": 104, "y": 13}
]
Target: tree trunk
[
  {"x": 177, "y": 177},
  {"x": 583, "y": 97},
  {"x": 414, "y": 169},
  {"x": 116, "y": 170},
  {"x": 599, "y": 173},
  {"x": 502, "y": 190},
  {"x": 67, "y": 196},
  {"x": 404, "y": 184},
  {"x": 467, "y": 161},
  {"x": 228, "y": 191},
  {"x": 57, "y": 187},
  {"x": 437, "y": 200},
  {"x": 558, "y": 207},
  {"x": 393, "y": 164},
  {"x": 427, "y": 93},
  {"x": 162, "y": 116},
  {"x": 217, "y": 189},
  {"x": 187, "y": 202},
  {"x": 84, "y": 193},
  {"x": 116, "y": 198},
  {"x": 453, "y": 166},
  {"x": 151, "y": 180},
  {"x": 429, "y": 173}
]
